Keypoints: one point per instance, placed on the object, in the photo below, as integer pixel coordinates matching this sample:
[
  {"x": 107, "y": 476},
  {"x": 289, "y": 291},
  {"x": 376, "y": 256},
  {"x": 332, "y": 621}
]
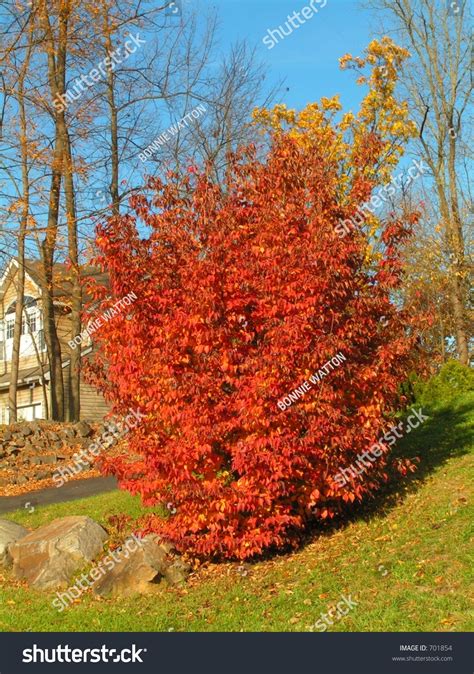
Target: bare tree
[
  {"x": 25, "y": 207},
  {"x": 228, "y": 96},
  {"x": 94, "y": 140},
  {"x": 439, "y": 82}
]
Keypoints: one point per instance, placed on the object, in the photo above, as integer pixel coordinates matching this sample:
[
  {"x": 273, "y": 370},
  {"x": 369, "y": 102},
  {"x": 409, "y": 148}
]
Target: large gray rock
[
  {"x": 9, "y": 533},
  {"x": 177, "y": 572},
  {"x": 49, "y": 556},
  {"x": 138, "y": 571}
]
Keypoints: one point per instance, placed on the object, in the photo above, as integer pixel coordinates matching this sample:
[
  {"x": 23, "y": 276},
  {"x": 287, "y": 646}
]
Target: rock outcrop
[
  {"x": 49, "y": 556},
  {"x": 10, "y": 532},
  {"x": 140, "y": 569}
]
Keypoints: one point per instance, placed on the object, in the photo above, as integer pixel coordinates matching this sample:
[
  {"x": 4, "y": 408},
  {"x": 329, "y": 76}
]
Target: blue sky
[{"x": 307, "y": 58}]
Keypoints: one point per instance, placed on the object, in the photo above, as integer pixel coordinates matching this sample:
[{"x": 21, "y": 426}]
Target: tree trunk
[
  {"x": 76, "y": 299},
  {"x": 43, "y": 378},
  {"x": 15, "y": 366},
  {"x": 53, "y": 345},
  {"x": 114, "y": 146},
  {"x": 20, "y": 288},
  {"x": 458, "y": 292},
  {"x": 56, "y": 56}
]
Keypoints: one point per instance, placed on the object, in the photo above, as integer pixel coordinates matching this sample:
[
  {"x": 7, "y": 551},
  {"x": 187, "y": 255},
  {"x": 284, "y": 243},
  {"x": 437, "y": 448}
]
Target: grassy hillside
[{"x": 404, "y": 559}]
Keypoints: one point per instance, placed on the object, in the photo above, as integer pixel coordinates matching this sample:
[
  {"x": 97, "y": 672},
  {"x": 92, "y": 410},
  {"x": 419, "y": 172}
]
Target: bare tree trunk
[
  {"x": 114, "y": 145},
  {"x": 76, "y": 300},
  {"x": 56, "y": 75},
  {"x": 70, "y": 199},
  {"x": 458, "y": 293},
  {"x": 20, "y": 288},
  {"x": 57, "y": 79},
  {"x": 43, "y": 378},
  {"x": 53, "y": 345},
  {"x": 455, "y": 245}
]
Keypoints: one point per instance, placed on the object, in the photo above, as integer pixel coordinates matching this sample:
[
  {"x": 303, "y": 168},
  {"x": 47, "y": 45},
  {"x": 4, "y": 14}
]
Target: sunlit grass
[{"x": 405, "y": 560}]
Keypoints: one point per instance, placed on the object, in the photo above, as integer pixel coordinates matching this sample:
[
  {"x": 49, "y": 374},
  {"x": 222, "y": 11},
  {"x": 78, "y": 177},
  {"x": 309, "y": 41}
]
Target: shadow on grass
[{"x": 448, "y": 433}]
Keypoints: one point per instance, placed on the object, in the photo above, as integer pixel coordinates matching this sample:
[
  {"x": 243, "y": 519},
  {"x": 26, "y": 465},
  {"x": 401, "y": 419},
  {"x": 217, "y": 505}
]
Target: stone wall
[{"x": 32, "y": 451}]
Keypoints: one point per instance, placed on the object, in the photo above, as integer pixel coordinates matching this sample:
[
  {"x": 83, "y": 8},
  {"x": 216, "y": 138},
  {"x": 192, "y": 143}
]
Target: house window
[
  {"x": 31, "y": 325},
  {"x": 30, "y": 412},
  {"x": 28, "y": 323},
  {"x": 32, "y": 321},
  {"x": 10, "y": 328},
  {"x": 41, "y": 340}
]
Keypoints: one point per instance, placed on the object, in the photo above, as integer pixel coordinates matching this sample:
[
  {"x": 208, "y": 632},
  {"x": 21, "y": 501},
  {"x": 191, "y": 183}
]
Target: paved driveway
[{"x": 68, "y": 492}]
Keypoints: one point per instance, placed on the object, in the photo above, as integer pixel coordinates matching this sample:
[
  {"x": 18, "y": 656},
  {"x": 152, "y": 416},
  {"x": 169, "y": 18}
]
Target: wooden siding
[{"x": 93, "y": 405}]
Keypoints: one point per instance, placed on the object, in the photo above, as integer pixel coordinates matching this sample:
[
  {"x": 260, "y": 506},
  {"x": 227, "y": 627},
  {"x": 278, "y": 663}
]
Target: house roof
[
  {"x": 24, "y": 376},
  {"x": 62, "y": 277}
]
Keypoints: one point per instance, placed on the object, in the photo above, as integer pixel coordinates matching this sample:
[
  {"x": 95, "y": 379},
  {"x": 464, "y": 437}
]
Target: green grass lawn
[{"x": 404, "y": 559}]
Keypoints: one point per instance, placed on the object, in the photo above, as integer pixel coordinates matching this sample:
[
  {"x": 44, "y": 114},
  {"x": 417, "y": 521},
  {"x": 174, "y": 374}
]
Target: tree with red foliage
[{"x": 243, "y": 292}]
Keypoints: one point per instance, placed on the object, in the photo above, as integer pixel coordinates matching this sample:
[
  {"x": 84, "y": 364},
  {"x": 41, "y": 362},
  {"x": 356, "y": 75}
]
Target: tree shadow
[{"x": 446, "y": 434}]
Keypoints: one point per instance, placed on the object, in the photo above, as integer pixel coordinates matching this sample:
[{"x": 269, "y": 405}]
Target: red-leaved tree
[{"x": 243, "y": 293}]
